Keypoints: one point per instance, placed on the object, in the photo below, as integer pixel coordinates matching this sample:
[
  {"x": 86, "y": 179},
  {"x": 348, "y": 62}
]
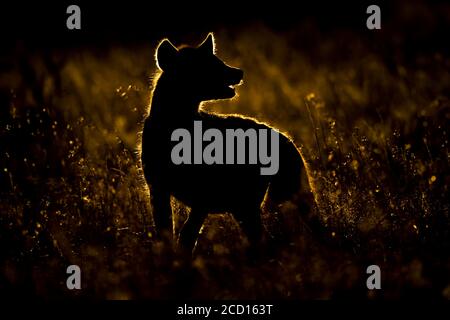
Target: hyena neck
[{"x": 171, "y": 101}]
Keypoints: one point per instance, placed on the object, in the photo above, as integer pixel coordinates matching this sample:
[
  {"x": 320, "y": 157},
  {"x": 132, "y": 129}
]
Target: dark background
[
  {"x": 370, "y": 109},
  {"x": 104, "y": 23}
]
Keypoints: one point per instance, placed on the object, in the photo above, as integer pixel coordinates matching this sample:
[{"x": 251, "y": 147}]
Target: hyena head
[{"x": 198, "y": 72}]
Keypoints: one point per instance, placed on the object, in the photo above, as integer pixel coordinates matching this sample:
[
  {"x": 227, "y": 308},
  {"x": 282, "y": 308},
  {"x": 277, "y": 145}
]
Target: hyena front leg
[
  {"x": 162, "y": 211},
  {"x": 191, "y": 229}
]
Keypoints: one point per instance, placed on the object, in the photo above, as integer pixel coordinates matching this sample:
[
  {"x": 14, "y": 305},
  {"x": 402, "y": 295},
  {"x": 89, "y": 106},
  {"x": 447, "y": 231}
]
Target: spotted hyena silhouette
[{"x": 188, "y": 76}]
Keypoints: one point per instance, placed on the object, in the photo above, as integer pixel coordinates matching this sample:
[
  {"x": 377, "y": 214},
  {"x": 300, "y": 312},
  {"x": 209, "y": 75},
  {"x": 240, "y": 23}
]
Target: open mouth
[
  {"x": 229, "y": 86},
  {"x": 235, "y": 84}
]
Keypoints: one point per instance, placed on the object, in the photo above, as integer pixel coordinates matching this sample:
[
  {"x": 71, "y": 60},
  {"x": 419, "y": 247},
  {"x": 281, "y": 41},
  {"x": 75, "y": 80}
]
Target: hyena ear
[
  {"x": 208, "y": 44},
  {"x": 166, "y": 54}
]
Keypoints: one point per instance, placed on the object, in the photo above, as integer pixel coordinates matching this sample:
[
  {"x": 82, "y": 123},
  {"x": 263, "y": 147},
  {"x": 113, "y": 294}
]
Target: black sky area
[{"x": 40, "y": 22}]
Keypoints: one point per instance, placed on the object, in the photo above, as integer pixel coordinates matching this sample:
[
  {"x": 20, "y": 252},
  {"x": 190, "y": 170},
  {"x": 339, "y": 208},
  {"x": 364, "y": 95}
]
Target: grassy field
[{"x": 371, "y": 119}]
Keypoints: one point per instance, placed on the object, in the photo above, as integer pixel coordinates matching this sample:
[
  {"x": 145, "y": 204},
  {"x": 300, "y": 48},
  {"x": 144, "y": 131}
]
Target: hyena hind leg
[
  {"x": 250, "y": 221},
  {"x": 191, "y": 229}
]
